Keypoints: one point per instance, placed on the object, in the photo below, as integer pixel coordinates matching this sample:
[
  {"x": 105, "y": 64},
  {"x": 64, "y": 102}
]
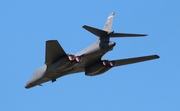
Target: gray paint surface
[{"x": 58, "y": 63}]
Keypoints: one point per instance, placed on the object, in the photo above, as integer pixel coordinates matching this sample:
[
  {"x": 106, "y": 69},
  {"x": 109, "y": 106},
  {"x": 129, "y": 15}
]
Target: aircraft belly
[{"x": 87, "y": 59}]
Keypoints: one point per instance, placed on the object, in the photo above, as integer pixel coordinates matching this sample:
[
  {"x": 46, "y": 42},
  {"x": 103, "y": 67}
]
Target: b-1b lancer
[{"x": 58, "y": 63}]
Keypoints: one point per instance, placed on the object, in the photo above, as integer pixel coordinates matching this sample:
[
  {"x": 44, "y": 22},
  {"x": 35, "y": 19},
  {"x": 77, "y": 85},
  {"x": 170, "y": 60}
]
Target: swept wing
[
  {"x": 54, "y": 51},
  {"x": 134, "y": 60}
]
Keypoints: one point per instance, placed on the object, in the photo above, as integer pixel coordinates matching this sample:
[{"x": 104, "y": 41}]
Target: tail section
[
  {"x": 108, "y": 24},
  {"x": 107, "y": 30}
]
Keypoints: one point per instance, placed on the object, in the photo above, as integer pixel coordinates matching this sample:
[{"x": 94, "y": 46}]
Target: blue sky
[{"x": 25, "y": 25}]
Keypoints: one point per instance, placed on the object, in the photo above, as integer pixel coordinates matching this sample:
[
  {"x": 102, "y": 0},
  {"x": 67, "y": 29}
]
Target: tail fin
[
  {"x": 108, "y": 24},
  {"x": 107, "y": 30}
]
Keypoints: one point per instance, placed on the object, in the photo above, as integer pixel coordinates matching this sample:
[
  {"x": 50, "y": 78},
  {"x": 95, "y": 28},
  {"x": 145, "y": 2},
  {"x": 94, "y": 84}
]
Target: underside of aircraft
[{"x": 58, "y": 63}]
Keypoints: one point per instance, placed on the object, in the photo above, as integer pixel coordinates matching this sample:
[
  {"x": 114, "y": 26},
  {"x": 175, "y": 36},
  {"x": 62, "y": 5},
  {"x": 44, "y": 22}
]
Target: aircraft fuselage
[
  {"x": 58, "y": 63},
  {"x": 64, "y": 67}
]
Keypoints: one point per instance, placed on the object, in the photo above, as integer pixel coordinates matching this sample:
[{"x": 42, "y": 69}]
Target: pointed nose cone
[{"x": 26, "y": 86}]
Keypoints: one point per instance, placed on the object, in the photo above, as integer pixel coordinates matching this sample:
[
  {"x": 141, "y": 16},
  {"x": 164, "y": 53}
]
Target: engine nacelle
[
  {"x": 99, "y": 68},
  {"x": 67, "y": 62},
  {"x": 72, "y": 57}
]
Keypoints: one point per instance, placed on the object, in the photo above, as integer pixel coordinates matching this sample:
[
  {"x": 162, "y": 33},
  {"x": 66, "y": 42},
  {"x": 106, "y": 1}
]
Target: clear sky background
[{"x": 25, "y": 25}]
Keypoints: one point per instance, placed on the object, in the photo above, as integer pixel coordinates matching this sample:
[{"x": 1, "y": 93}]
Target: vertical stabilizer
[{"x": 108, "y": 24}]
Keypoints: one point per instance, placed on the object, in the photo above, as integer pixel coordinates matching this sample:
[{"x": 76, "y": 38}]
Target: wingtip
[
  {"x": 143, "y": 34},
  {"x": 84, "y": 26},
  {"x": 157, "y": 56}
]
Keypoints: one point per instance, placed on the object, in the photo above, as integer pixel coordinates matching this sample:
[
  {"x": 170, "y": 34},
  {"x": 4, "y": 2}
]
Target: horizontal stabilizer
[
  {"x": 54, "y": 51},
  {"x": 107, "y": 30},
  {"x": 134, "y": 60},
  {"x": 126, "y": 35},
  {"x": 95, "y": 31},
  {"x": 101, "y": 33}
]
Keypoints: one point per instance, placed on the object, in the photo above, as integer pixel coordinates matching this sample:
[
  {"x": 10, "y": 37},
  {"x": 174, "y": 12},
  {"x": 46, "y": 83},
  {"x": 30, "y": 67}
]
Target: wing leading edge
[{"x": 134, "y": 60}]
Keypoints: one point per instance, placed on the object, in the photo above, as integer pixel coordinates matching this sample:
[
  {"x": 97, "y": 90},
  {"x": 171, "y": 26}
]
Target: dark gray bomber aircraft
[{"x": 58, "y": 63}]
